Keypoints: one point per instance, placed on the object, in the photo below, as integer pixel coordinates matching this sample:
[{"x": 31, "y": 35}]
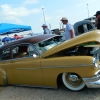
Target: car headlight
[{"x": 96, "y": 62}]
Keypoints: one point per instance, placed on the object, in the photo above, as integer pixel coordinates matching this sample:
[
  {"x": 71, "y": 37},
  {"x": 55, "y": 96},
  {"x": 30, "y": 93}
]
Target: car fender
[{"x": 3, "y": 77}]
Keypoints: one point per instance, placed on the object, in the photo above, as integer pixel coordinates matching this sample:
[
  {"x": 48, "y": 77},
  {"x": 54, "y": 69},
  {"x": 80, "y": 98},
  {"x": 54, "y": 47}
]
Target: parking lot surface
[{"x": 62, "y": 93}]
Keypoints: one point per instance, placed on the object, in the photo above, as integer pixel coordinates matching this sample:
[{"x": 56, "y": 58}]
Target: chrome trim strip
[
  {"x": 95, "y": 50},
  {"x": 24, "y": 58},
  {"x": 28, "y": 68},
  {"x": 96, "y": 73},
  {"x": 95, "y": 78},
  {"x": 6, "y": 60},
  {"x": 10, "y": 60},
  {"x": 21, "y": 58},
  {"x": 35, "y": 86},
  {"x": 71, "y": 66},
  {"x": 54, "y": 67},
  {"x": 93, "y": 82}
]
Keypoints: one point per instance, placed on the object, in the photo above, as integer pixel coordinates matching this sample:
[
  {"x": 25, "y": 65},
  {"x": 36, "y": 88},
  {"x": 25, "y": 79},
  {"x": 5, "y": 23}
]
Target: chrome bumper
[{"x": 93, "y": 82}]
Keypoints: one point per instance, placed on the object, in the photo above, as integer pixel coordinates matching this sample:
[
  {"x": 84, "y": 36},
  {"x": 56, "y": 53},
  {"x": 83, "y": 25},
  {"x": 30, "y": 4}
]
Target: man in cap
[
  {"x": 97, "y": 21},
  {"x": 69, "y": 30},
  {"x": 46, "y": 29}
]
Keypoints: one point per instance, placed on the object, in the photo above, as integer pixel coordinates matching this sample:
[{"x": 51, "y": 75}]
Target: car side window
[
  {"x": 20, "y": 51},
  {"x": 5, "y": 54},
  {"x": 32, "y": 51},
  {"x": 88, "y": 26},
  {"x": 80, "y": 29},
  {"x": 39, "y": 47}
]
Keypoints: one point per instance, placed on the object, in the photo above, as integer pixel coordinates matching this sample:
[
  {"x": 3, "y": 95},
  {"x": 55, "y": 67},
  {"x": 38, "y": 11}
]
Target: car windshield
[{"x": 48, "y": 44}]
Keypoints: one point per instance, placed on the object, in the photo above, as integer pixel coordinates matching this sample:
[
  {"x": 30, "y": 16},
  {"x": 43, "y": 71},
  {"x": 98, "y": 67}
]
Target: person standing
[
  {"x": 69, "y": 30},
  {"x": 18, "y": 36},
  {"x": 46, "y": 29},
  {"x": 97, "y": 20}
]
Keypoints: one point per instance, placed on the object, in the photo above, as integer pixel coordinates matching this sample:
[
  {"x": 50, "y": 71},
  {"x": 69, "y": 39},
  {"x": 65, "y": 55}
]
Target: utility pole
[
  {"x": 44, "y": 15},
  {"x": 88, "y": 10}
]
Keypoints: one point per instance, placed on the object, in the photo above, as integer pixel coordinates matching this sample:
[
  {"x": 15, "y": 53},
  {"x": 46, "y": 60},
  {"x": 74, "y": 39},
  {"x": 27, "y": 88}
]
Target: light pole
[
  {"x": 44, "y": 15},
  {"x": 88, "y": 10},
  {"x": 50, "y": 26},
  {"x": 60, "y": 25}
]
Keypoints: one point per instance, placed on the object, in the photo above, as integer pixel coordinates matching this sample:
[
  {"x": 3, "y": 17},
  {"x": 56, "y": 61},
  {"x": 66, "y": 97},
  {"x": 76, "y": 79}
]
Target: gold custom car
[{"x": 45, "y": 61}]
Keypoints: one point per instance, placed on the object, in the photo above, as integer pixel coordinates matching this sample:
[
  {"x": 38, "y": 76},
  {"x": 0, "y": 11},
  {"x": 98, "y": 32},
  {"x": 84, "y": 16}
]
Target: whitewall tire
[{"x": 73, "y": 81}]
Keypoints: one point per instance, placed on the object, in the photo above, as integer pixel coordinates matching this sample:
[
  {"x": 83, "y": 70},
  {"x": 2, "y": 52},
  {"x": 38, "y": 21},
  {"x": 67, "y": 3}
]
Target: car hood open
[{"x": 93, "y": 36}]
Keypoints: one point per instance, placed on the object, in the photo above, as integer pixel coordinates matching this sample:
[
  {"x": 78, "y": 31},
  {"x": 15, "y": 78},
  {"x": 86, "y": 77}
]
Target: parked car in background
[
  {"x": 46, "y": 61},
  {"x": 83, "y": 27},
  {"x": 91, "y": 19}
]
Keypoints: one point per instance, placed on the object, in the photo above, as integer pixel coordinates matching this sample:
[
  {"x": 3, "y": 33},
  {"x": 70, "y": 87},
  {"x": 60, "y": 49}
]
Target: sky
[{"x": 34, "y": 13}]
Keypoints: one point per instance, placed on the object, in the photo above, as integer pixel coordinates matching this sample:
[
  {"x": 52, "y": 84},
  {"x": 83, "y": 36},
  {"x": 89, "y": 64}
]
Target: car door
[
  {"x": 26, "y": 68},
  {"x": 80, "y": 29}
]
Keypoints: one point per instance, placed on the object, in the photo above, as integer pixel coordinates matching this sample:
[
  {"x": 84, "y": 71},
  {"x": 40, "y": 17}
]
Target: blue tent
[{"x": 6, "y": 28}]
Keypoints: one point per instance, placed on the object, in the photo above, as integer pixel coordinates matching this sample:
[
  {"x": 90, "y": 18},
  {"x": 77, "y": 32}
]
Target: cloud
[
  {"x": 29, "y": 2},
  {"x": 10, "y": 13}
]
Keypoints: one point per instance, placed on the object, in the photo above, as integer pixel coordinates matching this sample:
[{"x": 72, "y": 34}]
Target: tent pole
[
  {"x": 31, "y": 32},
  {"x": 0, "y": 39}
]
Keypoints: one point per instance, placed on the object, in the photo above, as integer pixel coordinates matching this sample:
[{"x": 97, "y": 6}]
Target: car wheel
[{"x": 73, "y": 81}]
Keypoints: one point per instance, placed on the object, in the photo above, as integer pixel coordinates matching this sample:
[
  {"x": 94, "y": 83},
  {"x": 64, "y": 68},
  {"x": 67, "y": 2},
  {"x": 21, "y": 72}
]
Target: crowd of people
[
  {"x": 69, "y": 30},
  {"x": 7, "y": 39}
]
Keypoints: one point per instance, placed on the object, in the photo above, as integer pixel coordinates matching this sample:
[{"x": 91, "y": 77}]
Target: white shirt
[
  {"x": 47, "y": 31},
  {"x": 67, "y": 34}
]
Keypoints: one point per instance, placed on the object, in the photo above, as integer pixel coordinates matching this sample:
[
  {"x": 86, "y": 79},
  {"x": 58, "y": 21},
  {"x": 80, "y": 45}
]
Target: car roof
[{"x": 30, "y": 40}]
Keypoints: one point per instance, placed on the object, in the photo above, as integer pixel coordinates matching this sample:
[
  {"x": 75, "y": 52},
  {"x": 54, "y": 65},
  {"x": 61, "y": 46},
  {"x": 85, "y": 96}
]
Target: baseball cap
[
  {"x": 63, "y": 18},
  {"x": 44, "y": 25},
  {"x": 97, "y": 13}
]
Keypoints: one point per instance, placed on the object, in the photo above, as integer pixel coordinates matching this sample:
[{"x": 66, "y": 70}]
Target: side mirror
[{"x": 34, "y": 55}]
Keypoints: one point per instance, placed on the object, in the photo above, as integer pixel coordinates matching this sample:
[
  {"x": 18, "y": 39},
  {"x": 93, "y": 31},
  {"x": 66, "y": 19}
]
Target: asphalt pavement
[{"x": 62, "y": 93}]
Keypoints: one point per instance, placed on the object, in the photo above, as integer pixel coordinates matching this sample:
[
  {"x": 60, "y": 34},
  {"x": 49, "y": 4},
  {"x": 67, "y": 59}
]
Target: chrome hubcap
[{"x": 73, "y": 78}]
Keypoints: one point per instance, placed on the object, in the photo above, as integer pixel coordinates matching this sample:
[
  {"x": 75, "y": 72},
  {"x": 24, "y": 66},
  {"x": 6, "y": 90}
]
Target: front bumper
[{"x": 93, "y": 82}]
